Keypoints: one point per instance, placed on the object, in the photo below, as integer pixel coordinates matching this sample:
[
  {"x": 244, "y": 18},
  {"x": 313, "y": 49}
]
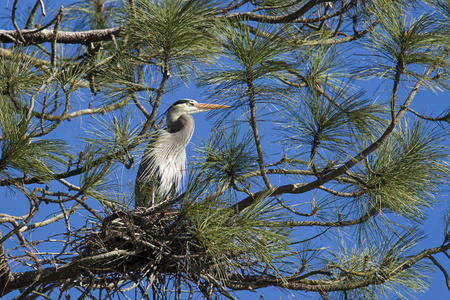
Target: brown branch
[
  {"x": 338, "y": 28},
  {"x": 50, "y": 220},
  {"x": 291, "y": 83},
  {"x": 59, "y": 18},
  {"x": 339, "y": 12},
  {"x": 13, "y": 19},
  {"x": 234, "y": 5},
  {"x": 39, "y": 90},
  {"x": 373, "y": 212},
  {"x": 399, "y": 69},
  {"x": 5, "y": 271},
  {"x": 159, "y": 94},
  {"x": 254, "y": 126},
  {"x": 33, "y": 210},
  {"x": 295, "y": 212},
  {"x": 58, "y": 122},
  {"x": 332, "y": 41},
  {"x": 32, "y": 14},
  {"x": 276, "y": 19},
  {"x": 319, "y": 88},
  {"x": 274, "y": 7},
  {"x": 343, "y": 194},
  {"x": 141, "y": 107},
  {"x": 445, "y": 118},
  {"x": 447, "y": 279}
]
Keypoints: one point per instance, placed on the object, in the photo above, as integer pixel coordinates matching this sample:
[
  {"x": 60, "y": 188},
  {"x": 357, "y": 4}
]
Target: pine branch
[
  {"x": 253, "y": 282},
  {"x": 302, "y": 188}
]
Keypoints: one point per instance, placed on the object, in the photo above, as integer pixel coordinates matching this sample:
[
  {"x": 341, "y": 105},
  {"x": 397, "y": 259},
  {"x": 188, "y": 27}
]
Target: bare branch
[
  {"x": 447, "y": 279},
  {"x": 32, "y": 37},
  {"x": 445, "y": 118}
]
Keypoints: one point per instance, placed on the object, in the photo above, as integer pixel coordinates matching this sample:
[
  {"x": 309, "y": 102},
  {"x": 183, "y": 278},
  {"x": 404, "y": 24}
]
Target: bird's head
[{"x": 189, "y": 106}]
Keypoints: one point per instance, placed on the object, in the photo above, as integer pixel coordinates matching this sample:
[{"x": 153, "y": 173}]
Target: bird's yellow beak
[{"x": 208, "y": 106}]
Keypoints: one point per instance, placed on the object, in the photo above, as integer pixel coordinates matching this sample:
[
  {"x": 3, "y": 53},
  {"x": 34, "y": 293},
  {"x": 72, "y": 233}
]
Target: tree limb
[
  {"x": 252, "y": 282},
  {"x": 276, "y": 19},
  {"x": 31, "y": 37}
]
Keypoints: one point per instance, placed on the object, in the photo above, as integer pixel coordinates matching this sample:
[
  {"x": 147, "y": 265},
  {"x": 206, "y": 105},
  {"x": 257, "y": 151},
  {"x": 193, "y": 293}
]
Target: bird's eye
[{"x": 189, "y": 103}]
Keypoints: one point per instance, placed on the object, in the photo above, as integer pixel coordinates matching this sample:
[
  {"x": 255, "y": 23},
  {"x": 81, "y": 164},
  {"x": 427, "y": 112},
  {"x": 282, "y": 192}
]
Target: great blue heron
[{"x": 163, "y": 162}]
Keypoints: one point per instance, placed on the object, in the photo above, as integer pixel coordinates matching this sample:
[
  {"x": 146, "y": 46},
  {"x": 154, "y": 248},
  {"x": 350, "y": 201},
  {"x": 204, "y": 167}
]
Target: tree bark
[{"x": 33, "y": 37}]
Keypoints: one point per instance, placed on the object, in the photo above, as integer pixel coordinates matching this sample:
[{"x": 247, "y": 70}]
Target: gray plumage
[{"x": 162, "y": 165}]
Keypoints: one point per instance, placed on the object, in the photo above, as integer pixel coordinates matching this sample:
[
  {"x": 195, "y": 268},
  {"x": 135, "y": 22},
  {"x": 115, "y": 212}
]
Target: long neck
[{"x": 181, "y": 129}]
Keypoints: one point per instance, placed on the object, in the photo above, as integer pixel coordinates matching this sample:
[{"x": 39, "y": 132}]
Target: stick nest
[{"x": 159, "y": 243}]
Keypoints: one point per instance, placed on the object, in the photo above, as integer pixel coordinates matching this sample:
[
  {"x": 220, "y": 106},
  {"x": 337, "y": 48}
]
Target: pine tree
[{"x": 317, "y": 179}]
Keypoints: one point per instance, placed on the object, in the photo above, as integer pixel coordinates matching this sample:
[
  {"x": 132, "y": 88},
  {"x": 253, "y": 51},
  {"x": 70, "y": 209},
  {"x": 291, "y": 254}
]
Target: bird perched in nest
[{"x": 163, "y": 162}]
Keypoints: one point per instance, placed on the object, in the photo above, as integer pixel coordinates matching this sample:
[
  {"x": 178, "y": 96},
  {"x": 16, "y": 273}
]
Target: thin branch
[
  {"x": 291, "y": 83},
  {"x": 338, "y": 27},
  {"x": 53, "y": 21},
  {"x": 90, "y": 111},
  {"x": 399, "y": 69},
  {"x": 55, "y": 36},
  {"x": 33, "y": 210},
  {"x": 159, "y": 94},
  {"x": 51, "y": 220},
  {"x": 39, "y": 90},
  {"x": 313, "y": 238},
  {"x": 43, "y": 7},
  {"x": 322, "y": 18},
  {"x": 140, "y": 106},
  {"x": 254, "y": 126},
  {"x": 342, "y": 194},
  {"x": 13, "y": 19},
  {"x": 234, "y": 5},
  {"x": 56, "y": 124},
  {"x": 447, "y": 279},
  {"x": 69, "y": 173},
  {"x": 218, "y": 285},
  {"x": 445, "y": 118},
  {"x": 287, "y": 207},
  {"x": 82, "y": 202},
  {"x": 276, "y": 19},
  {"x": 5, "y": 271},
  {"x": 333, "y": 41},
  {"x": 273, "y": 7},
  {"x": 32, "y": 14},
  {"x": 373, "y": 212}
]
